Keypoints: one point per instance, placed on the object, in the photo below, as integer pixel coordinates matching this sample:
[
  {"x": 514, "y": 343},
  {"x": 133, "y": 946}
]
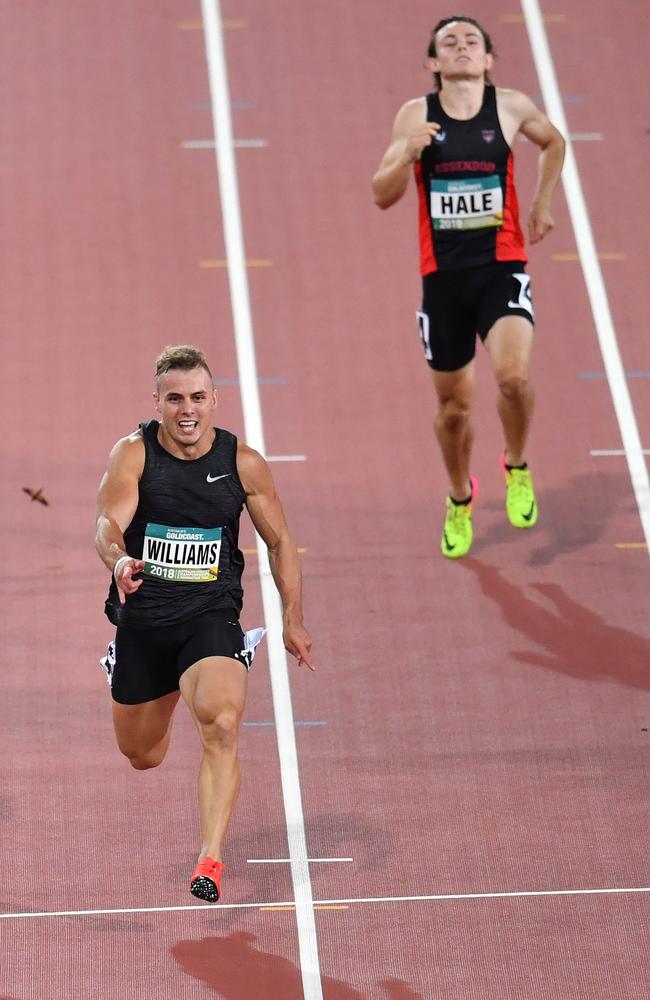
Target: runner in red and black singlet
[
  {"x": 458, "y": 142},
  {"x": 468, "y": 209}
]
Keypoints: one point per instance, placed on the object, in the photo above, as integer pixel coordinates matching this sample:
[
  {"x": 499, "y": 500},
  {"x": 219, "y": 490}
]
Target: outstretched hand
[
  {"x": 297, "y": 641},
  {"x": 124, "y": 581}
]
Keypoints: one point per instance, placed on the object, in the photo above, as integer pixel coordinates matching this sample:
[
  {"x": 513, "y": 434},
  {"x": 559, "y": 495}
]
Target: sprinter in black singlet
[
  {"x": 458, "y": 142},
  {"x": 167, "y": 528}
]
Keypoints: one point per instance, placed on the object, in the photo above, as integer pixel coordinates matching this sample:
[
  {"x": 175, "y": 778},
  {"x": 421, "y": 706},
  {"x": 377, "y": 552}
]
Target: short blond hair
[{"x": 181, "y": 356}]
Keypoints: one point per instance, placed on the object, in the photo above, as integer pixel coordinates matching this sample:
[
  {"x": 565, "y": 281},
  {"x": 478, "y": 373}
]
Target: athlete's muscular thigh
[
  {"x": 455, "y": 387},
  {"x": 214, "y": 690},
  {"x": 140, "y": 729},
  {"x": 509, "y": 345}
]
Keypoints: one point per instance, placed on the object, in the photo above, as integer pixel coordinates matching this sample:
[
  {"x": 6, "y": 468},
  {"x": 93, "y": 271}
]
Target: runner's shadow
[
  {"x": 236, "y": 970},
  {"x": 571, "y": 517},
  {"x": 395, "y": 989},
  {"x": 577, "y": 642}
]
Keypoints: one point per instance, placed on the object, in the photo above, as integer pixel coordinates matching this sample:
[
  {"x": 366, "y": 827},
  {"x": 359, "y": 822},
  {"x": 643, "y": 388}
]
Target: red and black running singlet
[{"x": 468, "y": 208}]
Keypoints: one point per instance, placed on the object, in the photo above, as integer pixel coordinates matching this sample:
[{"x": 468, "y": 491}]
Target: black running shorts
[
  {"x": 149, "y": 661},
  {"x": 459, "y": 304}
]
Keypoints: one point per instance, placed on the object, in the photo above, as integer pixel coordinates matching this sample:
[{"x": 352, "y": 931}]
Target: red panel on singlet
[
  {"x": 428, "y": 262},
  {"x": 510, "y": 239}
]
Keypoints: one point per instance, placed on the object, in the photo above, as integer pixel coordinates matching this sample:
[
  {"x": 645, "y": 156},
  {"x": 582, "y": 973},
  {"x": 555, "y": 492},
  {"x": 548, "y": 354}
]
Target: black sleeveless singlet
[{"x": 186, "y": 528}]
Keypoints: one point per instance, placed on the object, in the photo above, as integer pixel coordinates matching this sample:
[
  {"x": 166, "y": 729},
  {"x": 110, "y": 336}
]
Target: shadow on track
[
  {"x": 236, "y": 970},
  {"x": 577, "y": 642},
  {"x": 571, "y": 518}
]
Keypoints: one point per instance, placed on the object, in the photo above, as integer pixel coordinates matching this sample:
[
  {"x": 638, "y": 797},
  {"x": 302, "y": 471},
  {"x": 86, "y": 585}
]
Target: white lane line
[
  {"x": 591, "y": 269},
  {"x": 287, "y": 861},
  {"x": 438, "y": 897},
  {"x": 604, "y": 452},
  {"x": 286, "y": 458},
  {"x": 237, "y": 143},
  {"x": 254, "y": 430},
  {"x": 599, "y": 375}
]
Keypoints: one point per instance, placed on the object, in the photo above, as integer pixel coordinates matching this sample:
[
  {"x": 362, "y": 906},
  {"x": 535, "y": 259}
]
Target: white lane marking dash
[
  {"x": 587, "y": 137},
  {"x": 237, "y": 143},
  {"x": 607, "y": 452},
  {"x": 287, "y": 861},
  {"x": 577, "y": 137}
]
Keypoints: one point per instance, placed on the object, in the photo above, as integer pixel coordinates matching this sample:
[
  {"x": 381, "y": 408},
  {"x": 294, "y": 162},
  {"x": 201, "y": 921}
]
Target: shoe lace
[
  {"x": 210, "y": 867},
  {"x": 458, "y": 513},
  {"x": 519, "y": 484}
]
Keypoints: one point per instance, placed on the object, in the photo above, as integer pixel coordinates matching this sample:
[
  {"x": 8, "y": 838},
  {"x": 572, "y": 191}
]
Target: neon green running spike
[
  {"x": 457, "y": 534},
  {"x": 521, "y": 502}
]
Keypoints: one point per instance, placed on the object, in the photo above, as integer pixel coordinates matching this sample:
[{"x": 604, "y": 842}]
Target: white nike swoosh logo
[{"x": 213, "y": 479}]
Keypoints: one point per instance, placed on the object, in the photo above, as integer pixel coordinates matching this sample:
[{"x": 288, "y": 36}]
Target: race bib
[
  {"x": 187, "y": 554},
  {"x": 467, "y": 204}
]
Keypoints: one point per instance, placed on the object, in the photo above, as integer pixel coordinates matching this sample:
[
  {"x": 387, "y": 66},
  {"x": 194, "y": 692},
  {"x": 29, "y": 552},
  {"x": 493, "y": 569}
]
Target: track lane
[
  {"x": 528, "y": 743},
  {"x": 513, "y": 748}
]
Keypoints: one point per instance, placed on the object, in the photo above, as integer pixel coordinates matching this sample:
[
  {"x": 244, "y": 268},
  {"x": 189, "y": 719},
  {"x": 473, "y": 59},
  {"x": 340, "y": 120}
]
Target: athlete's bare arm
[
  {"x": 412, "y": 133},
  {"x": 517, "y": 113},
  {"x": 117, "y": 502},
  {"x": 265, "y": 509}
]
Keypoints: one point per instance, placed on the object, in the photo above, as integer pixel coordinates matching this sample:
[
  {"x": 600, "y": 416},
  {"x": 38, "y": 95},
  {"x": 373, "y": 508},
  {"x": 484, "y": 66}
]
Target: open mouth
[{"x": 187, "y": 426}]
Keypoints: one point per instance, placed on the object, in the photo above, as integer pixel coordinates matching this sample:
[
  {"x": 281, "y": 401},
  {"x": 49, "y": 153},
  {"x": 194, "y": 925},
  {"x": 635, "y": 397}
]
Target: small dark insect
[{"x": 36, "y": 495}]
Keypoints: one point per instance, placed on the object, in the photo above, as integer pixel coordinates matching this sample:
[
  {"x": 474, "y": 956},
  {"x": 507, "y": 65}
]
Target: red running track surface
[{"x": 484, "y": 724}]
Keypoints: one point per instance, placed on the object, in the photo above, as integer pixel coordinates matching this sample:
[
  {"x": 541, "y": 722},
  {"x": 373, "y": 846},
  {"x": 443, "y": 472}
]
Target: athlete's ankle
[
  {"x": 463, "y": 497},
  {"x": 211, "y": 854},
  {"x": 514, "y": 460}
]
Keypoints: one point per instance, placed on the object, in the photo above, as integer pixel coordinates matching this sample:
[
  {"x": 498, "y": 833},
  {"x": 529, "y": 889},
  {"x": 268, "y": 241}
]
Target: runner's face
[
  {"x": 460, "y": 52},
  {"x": 186, "y": 401}
]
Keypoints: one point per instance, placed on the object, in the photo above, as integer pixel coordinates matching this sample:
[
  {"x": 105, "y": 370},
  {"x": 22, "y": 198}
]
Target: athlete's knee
[
  {"x": 453, "y": 415},
  {"x": 219, "y": 725},
  {"x": 142, "y": 757},
  {"x": 144, "y": 760},
  {"x": 514, "y": 386}
]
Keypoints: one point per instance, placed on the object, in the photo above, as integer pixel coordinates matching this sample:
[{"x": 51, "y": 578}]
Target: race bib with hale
[
  {"x": 187, "y": 554},
  {"x": 467, "y": 204}
]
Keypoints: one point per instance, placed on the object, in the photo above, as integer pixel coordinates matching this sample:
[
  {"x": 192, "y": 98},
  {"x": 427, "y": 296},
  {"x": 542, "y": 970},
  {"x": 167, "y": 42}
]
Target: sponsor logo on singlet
[
  {"x": 467, "y": 204},
  {"x": 190, "y": 555}
]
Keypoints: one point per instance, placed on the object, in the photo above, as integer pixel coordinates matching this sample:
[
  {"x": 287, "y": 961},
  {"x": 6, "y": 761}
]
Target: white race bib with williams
[{"x": 190, "y": 555}]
